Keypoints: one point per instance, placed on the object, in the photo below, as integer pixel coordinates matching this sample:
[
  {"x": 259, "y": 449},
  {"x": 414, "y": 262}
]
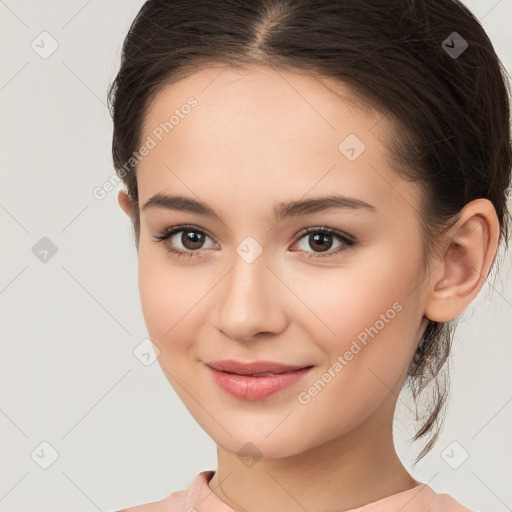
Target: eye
[
  {"x": 322, "y": 239},
  {"x": 189, "y": 240}
]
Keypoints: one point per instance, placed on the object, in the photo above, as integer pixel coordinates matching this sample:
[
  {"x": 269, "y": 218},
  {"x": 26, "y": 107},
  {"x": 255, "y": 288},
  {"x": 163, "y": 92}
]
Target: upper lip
[{"x": 241, "y": 368}]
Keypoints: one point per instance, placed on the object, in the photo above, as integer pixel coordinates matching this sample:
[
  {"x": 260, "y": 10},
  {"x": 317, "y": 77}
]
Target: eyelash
[{"x": 169, "y": 232}]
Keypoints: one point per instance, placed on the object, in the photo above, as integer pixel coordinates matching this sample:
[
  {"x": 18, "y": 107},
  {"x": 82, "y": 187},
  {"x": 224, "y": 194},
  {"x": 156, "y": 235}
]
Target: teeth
[{"x": 262, "y": 374}]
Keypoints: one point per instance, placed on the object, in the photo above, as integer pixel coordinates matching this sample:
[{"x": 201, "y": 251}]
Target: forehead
[
  {"x": 265, "y": 132},
  {"x": 266, "y": 94}
]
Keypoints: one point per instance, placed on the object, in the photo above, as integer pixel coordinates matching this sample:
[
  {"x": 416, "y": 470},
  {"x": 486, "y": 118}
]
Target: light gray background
[{"x": 70, "y": 325}]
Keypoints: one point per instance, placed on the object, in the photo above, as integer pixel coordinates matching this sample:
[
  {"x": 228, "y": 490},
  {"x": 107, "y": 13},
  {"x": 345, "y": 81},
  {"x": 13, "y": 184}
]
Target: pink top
[{"x": 199, "y": 498}]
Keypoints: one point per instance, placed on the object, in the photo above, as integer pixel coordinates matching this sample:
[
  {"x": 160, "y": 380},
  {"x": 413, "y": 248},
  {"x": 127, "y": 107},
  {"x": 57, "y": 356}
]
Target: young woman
[{"x": 318, "y": 191}]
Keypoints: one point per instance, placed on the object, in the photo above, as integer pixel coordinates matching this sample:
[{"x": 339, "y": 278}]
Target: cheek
[
  {"x": 348, "y": 299},
  {"x": 366, "y": 314},
  {"x": 366, "y": 359},
  {"x": 167, "y": 292},
  {"x": 170, "y": 299}
]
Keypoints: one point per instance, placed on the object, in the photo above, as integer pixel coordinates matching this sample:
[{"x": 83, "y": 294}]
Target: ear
[
  {"x": 464, "y": 261},
  {"x": 125, "y": 202}
]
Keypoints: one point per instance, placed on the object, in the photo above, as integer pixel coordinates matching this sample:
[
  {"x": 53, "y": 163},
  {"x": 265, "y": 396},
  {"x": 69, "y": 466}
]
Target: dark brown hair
[{"x": 450, "y": 111}]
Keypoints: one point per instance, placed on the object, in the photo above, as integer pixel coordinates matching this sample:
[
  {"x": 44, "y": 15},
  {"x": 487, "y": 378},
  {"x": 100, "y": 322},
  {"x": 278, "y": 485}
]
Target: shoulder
[
  {"x": 174, "y": 503},
  {"x": 445, "y": 503},
  {"x": 181, "y": 501}
]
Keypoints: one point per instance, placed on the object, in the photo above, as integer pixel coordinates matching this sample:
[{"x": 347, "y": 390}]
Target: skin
[{"x": 258, "y": 137}]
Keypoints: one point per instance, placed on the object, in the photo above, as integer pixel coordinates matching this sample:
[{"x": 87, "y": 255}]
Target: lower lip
[{"x": 256, "y": 388}]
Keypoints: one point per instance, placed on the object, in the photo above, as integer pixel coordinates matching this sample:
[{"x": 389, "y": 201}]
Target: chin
[{"x": 252, "y": 448}]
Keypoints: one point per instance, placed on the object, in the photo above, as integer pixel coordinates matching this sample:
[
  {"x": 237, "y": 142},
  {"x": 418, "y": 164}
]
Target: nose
[{"x": 251, "y": 301}]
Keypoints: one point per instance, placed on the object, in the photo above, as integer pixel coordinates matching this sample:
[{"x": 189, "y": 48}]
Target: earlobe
[
  {"x": 467, "y": 257},
  {"x": 125, "y": 202}
]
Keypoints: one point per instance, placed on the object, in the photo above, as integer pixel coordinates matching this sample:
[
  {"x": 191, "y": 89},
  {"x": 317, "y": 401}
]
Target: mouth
[{"x": 257, "y": 385}]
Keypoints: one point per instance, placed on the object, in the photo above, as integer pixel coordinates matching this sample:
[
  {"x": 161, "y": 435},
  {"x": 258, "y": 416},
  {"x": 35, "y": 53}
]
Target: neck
[{"x": 347, "y": 472}]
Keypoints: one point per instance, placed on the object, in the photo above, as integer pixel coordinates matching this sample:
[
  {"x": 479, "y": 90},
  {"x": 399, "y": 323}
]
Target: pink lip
[{"x": 249, "y": 387}]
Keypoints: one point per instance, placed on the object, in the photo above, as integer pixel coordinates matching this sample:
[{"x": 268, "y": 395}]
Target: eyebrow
[{"x": 280, "y": 211}]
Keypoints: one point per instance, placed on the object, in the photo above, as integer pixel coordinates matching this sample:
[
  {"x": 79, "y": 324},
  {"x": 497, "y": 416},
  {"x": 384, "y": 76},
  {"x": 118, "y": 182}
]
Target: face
[{"x": 344, "y": 298}]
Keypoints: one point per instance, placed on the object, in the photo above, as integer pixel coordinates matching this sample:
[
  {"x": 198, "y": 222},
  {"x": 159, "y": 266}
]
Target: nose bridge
[{"x": 248, "y": 301}]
